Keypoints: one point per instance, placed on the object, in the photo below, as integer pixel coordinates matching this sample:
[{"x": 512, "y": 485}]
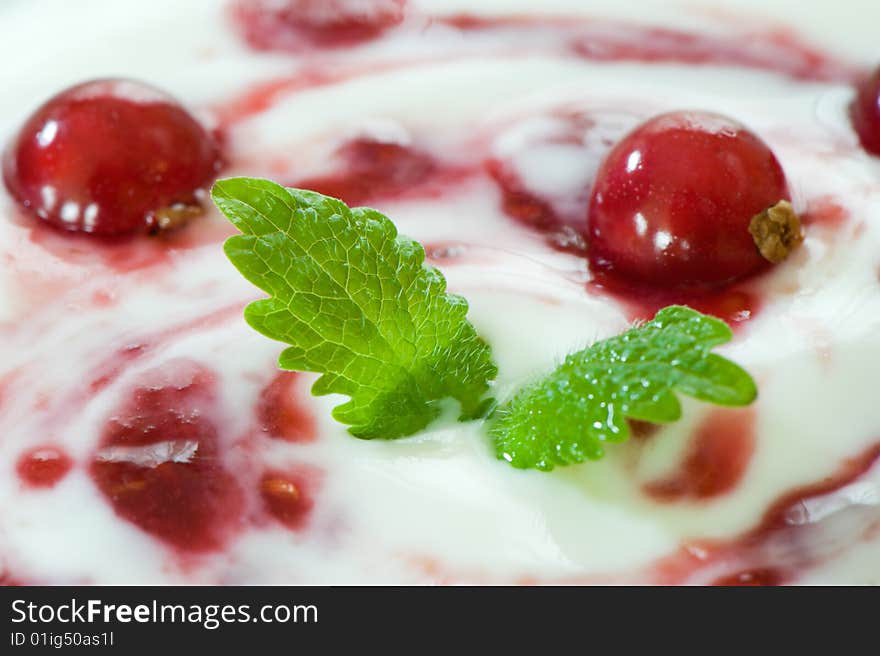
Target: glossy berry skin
[
  {"x": 865, "y": 113},
  {"x": 105, "y": 156},
  {"x": 672, "y": 202}
]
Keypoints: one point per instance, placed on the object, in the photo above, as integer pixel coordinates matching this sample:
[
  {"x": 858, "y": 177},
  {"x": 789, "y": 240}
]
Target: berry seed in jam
[
  {"x": 111, "y": 157},
  {"x": 673, "y": 201},
  {"x": 287, "y": 496},
  {"x": 865, "y": 112}
]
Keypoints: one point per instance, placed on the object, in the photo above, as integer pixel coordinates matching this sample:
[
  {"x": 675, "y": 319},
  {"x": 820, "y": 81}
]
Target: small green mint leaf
[
  {"x": 570, "y": 415},
  {"x": 355, "y": 302}
]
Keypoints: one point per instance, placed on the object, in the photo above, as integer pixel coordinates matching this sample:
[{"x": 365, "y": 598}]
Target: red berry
[
  {"x": 297, "y": 24},
  {"x": 672, "y": 202},
  {"x": 160, "y": 464},
  {"x": 865, "y": 112},
  {"x": 109, "y": 157}
]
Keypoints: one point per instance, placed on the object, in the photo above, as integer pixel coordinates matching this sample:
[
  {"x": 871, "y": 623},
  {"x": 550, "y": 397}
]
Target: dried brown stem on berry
[
  {"x": 776, "y": 231},
  {"x": 176, "y": 216}
]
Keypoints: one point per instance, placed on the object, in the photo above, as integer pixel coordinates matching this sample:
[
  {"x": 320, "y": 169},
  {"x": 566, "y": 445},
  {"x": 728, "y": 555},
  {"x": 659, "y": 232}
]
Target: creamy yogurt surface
[{"x": 83, "y": 327}]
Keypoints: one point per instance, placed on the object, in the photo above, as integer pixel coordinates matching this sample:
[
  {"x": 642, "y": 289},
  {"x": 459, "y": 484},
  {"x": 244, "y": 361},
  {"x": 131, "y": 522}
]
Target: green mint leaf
[
  {"x": 570, "y": 415},
  {"x": 355, "y": 302}
]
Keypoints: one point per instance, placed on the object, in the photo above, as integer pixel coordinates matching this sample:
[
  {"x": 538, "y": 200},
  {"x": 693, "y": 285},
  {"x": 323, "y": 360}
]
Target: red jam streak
[
  {"x": 279, "y": 412},
  {"x": 753, "y": 577},
  {"x": 113, "y": 367},
  {"x": 520, "y": 203},
  {"x": 123, "y": 255},
  {"x": 301, "y": 25},
  {"x": 716, "y": 459},
  {"x": 262, "y": 97},
  {"x": 559, "y": 217},
  {"x": 160, "y": 463},
  {"x": 288, "y": 496},
  {"x": 825, "y": 211},
  {"x": 373, "y": 170},
  {"x": 642, "y": 430},
  {"x": 10, "y": 581},
  {"x": 113, "y": 361},
  {"x": 43, "y": 467},
  {"x": 736, "y": 306},
  {"x": 789, "y": 539},
  {"x": 788, "y": 511},
  {"x": 778, "y": 50},
  {"x": 785, "y": 541}
]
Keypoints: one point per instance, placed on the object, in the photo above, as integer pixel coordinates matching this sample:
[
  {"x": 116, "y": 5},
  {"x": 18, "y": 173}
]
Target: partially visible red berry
[
  {"x": 110, "y": 157},
  {"x": 865, "y": 113},
  {"x": 673, "y": 200}
]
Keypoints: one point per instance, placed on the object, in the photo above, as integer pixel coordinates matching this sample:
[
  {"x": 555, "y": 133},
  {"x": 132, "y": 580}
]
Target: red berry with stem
[
  {"x": 673, "y": 202},
  {"x": 865, "y": 113},
  {"x": 110, "y": 157}
]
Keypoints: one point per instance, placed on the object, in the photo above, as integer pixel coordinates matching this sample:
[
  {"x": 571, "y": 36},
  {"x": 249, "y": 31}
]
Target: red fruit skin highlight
[
  {"x": 673, "y": 200},
  {"x": 105, "y": 156}
]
